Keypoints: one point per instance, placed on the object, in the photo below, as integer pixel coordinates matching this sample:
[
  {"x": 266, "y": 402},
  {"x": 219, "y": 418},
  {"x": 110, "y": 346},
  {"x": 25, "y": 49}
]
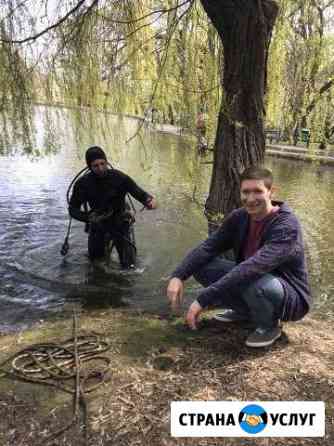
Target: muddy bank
[{"x": 155, "y": 361}]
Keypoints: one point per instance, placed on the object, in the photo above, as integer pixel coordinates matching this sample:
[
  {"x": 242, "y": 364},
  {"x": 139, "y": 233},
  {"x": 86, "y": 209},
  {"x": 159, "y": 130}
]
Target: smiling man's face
[{"x": 256, "y": 198}]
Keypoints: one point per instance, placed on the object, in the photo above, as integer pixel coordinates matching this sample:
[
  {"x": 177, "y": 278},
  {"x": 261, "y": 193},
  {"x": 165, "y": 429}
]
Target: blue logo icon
[{"x": 253, "y": 419}]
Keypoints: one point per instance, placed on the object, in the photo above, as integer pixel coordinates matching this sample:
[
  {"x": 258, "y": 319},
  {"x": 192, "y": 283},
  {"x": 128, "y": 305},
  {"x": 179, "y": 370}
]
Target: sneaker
[
  {"x": 229, "y": 316},
  {"x": 262, "y": 337}
]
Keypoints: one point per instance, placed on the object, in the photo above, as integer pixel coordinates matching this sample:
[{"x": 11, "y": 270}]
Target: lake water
[{"x": 38, "y": 283}]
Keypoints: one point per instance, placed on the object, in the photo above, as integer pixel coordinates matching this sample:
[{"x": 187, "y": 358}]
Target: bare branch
[
  {"x": 55, "y": 25},
  {"x": 134, "y": 31},
  {"x": 325, "y": 87}
]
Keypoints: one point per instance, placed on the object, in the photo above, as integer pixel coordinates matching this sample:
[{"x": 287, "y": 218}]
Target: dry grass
[{"x": 156, "y": 361}]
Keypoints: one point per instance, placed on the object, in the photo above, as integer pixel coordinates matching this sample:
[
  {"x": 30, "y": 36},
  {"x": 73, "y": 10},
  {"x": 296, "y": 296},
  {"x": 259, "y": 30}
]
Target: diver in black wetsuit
[{"x": 104, "y": 190}]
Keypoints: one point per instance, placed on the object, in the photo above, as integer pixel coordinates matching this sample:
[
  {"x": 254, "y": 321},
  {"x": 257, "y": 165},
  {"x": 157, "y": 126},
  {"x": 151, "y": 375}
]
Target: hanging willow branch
[
  {"x": 139, "y": 19},
  {"x": 172, "y": 29},
  {"x": 53, "y": 26}
]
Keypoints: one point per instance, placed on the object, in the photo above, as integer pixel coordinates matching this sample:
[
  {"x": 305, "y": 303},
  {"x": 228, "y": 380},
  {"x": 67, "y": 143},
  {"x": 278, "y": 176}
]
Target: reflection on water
[{"x": 38, "y": 282}]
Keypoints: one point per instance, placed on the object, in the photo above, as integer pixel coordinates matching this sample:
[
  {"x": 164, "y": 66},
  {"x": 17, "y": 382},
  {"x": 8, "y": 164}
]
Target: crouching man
[{"x": 268, "y": 282}]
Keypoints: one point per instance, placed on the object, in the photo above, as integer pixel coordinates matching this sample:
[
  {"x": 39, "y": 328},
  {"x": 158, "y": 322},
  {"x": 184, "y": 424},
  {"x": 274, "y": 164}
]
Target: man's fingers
[
  {"x": 151, "y": 204},
  {"x": 192, "y": 321},
  {"x": 190, "y": 318},
  {"x": 173, "y": 299},
  {"x": 175, "y": 292},
  {"x": 193, "y": 313},
  {"x": 172, "y": 295},
  {"x": 175, "y": 302}
]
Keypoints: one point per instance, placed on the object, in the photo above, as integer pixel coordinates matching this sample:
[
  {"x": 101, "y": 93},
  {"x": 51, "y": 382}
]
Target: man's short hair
[{"x": 258, "y": 173}]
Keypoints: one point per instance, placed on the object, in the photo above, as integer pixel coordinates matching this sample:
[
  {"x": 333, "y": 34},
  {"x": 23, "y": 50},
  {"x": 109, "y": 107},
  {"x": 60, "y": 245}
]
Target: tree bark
[{"x": 244, "y": 27}]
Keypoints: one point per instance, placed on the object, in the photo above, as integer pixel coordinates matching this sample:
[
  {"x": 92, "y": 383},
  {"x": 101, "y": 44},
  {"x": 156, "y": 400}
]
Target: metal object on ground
[{"x": 57, "y": 364}]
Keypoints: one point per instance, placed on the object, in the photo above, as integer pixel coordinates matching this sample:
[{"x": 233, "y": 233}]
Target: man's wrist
[
  {"x": 179, "y": 274},
  {"x": 197, "y": 303},
  {"x": 171, "y": 277}
]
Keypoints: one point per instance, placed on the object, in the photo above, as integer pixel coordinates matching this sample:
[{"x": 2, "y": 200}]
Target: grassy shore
[{"x": 155, "y": 361}]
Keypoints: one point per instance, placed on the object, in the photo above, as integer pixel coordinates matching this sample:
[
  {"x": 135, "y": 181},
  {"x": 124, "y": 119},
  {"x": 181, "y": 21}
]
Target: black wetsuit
[{"x": 103, "y": 195}]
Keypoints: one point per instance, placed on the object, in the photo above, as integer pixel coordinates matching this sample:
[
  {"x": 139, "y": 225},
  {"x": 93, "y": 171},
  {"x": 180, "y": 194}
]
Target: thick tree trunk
[{"x": 244, "y": 27}]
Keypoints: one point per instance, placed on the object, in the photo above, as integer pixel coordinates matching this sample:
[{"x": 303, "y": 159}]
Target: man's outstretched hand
[
  {"x": 175, "y": 293},
  {"x": 193, "y": 313},
  {"x": 151, "y": 204}
]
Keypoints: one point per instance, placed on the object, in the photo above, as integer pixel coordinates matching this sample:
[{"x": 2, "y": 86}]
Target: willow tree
[
  {"x": 245, "y": 28},
  {"x": 301, "y": 73},
  {"x": 88, "y": 30},
  {"x": 15, "y": 86}
]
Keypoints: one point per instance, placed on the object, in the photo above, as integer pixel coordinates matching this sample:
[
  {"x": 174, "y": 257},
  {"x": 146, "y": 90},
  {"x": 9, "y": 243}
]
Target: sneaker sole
[
  {"x": 264, "y": 343},
  {"x": 222, "y": 319}
]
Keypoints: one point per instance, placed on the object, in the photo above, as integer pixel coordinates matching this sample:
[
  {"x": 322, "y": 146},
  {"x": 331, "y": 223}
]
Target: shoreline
[{"x": 300, "y": 153}]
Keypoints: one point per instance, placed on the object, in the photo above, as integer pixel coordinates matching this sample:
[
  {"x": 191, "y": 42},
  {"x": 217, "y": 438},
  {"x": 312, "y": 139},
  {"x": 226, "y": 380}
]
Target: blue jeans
[{"x": 260, "y": 302}]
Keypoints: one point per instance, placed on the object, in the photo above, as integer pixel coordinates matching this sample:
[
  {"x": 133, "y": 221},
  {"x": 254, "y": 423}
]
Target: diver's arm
[{"x": 138, "y": 193}]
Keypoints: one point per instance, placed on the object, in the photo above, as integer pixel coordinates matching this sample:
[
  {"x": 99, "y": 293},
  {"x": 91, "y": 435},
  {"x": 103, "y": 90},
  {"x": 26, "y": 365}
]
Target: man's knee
[
  {"x": 265, "y": 295},
  {"x": 269, "y": 287},
  {"x": 213, "y": 271}
]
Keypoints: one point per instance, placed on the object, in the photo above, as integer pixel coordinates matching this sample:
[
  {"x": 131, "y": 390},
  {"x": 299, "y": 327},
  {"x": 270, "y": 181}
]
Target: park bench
[{"x": 273, "y": 135}]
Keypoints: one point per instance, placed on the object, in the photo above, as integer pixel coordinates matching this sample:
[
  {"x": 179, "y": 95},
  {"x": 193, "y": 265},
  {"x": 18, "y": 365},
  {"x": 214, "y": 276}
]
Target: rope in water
[{"x": 55, "y": 364}]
